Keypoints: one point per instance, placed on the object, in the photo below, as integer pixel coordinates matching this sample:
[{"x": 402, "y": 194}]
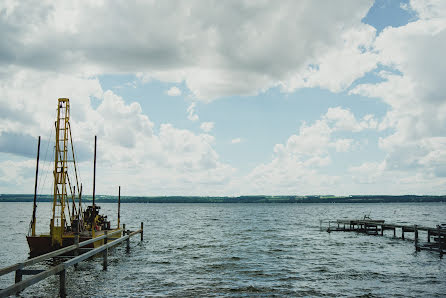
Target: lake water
[{"x": 243, "y": 250}]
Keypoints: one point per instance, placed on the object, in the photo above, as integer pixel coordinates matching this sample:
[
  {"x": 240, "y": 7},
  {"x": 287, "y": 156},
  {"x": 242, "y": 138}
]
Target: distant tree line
[{"x": 240, "y": 199}]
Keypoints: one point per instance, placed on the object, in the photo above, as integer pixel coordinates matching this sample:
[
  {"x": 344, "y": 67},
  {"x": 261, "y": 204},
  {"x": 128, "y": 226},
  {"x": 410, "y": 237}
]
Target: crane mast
[{"x": 58, "y": 221}]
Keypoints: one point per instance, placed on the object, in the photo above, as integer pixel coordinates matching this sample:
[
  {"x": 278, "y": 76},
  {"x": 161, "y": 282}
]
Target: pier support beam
[
  {"x": 105, "y": 253},
  {"x": 62, "y": 283},
  {"x": 76, "y": 242},
  {"x": 142, "y": 231},
  {"x": 402, "y": 233},
  {"x": 415, "y": 230}
]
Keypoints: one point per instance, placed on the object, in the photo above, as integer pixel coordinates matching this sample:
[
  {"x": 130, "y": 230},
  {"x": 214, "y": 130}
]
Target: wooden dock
[
  {"x": 435, "y": 237},
  {"x": 76, "y": 254}
]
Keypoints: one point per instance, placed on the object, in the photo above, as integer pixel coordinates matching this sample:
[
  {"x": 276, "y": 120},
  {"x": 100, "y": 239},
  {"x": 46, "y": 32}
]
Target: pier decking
[{"x": 435, "y": 237}]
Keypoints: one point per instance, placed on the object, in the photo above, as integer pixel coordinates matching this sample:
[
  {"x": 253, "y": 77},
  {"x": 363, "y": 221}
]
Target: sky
[{"x": 229, "y": 97}]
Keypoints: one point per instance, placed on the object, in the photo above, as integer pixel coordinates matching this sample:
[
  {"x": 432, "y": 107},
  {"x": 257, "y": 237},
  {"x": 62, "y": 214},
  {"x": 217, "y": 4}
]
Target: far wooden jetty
[{"x": 435, "y": 237}]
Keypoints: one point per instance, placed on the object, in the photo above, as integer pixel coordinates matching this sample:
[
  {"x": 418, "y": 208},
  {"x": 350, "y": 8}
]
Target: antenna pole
[
  {"x": 80, "y": 202},
  {"x": 94, "y": 171},
  {"x": 119, "y": 206},
  {"x": 35, "y": 191}
]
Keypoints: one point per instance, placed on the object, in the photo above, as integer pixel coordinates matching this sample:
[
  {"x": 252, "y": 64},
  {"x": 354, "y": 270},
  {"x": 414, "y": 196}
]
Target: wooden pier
[
  {"x": 75, "y": 254},
  {"x": 435, "y": 237}
]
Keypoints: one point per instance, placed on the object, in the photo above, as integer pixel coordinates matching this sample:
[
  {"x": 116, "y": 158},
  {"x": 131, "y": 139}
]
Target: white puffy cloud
[
  {"x": 130, "y": 153},
  {"x": 236, "y": 141},
  {"x": 217, "y": 48},
  {"x": 191, "y": 115},
  {"x": 298, "y": 165},
  {"x": 207, "y": 126},
  {"x": 174, "y": 91},
  {"x": 414, "y": 89}
]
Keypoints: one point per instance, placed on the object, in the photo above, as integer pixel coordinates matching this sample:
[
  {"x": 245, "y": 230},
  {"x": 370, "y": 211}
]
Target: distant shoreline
[{"x": 240, "y": 199}]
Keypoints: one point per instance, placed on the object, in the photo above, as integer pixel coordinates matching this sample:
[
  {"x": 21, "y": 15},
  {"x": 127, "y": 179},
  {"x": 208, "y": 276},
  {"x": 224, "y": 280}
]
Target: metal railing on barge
[{"x": 38, "y": 275}]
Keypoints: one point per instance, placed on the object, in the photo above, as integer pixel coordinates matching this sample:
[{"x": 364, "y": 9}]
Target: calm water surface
[{"x": 243, "y": 250}]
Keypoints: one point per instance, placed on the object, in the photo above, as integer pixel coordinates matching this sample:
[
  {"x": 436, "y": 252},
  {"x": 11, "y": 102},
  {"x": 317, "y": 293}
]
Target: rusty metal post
[
  {"x": 105, "y": 252},
  {"x": 142, "y": 231}
]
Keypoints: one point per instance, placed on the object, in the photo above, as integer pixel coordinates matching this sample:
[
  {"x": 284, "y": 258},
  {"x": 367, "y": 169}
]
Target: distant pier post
[
  {"x": 440, "y": 248},
  {"x": 415, "y": 230}
]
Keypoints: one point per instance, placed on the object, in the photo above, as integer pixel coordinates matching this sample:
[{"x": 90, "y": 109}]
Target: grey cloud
[
  {"x": 24, "y": 145},
  {"x": 258, "y": 43}
]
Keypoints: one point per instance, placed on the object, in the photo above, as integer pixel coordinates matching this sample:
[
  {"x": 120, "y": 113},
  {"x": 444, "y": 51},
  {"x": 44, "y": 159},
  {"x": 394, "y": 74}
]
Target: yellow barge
[{"x": 68, "y": 221}]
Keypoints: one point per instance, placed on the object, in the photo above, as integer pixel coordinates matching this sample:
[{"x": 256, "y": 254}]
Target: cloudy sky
[{"x": 228, "y": 97}]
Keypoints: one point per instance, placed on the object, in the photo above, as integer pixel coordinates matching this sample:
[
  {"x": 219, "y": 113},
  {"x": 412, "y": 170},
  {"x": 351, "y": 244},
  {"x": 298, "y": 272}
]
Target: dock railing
[{"x": 38, "y": 275}]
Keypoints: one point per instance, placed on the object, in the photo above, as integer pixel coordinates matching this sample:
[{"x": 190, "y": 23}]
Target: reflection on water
[{"x": 243, "y": 250}]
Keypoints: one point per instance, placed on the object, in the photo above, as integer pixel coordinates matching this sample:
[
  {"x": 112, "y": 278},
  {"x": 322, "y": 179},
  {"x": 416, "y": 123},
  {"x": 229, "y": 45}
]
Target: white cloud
[
  {"x": 415, "y": 91},
  {"x": 236, "y": 141},
  {"x": 173, "y": 91},
  {"x": 298, "y": 165},
  {"x": 207, "y": 126},
  {"x": 343, "y": 145},
  {"x": 130, "y": 153},
  {"x": 191, "y": 115},
  {"x": 221, "y": 49}
]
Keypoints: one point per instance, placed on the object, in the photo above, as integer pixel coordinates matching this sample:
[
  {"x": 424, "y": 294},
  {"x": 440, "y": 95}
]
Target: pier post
[
  {"x": 394, "y": 232},
  {"x": 76, "y": 242},
  {"x": 18, "y": 275},
  {"x": 440, "y": 249},
  {"x": 62, "y": 284},
  {"x": 415, "y": 230},
  {"x": 402, "y": 233},
  {"x": 428, "y": 235},
  {"x": 105, "y": 253},
  {"x": 142, "y": 231},
  {"x": 382, "y": 230}
]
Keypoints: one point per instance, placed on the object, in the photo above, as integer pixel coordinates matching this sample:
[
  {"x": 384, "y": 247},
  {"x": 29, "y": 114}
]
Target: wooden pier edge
[{"x": 39, "y": 275}]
